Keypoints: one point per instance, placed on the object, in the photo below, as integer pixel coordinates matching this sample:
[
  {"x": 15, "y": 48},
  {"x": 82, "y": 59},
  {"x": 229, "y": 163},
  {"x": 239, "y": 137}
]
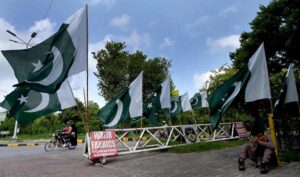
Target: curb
[
  {"x": 79, "y": 141},
  {"x": 18, "y": 145}
]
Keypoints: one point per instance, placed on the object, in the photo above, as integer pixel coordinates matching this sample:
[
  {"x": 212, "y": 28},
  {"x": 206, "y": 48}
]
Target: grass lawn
[{"x": 206, "y": 146}]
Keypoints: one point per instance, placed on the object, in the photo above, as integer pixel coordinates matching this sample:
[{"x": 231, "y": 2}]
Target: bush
[{"x": 8, "y": 125}]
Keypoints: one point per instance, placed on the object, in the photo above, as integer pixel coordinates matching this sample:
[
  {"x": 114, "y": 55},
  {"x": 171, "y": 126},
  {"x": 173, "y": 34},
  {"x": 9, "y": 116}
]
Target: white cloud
[
  {"x": 193, "y": 28},
  {"x": 228, "y": 10},
  {"x": 108, "y": 3},
  {"x": 167, "y": 42},
  {"x": 227, "y": 42},
  {"x": 200, "y": 79},
  {"x": 198, "y": 22},
  {"x": 121, "y": 22},
  {"x": 44, "y": 29},
  {"x": 135, "y": 40}
]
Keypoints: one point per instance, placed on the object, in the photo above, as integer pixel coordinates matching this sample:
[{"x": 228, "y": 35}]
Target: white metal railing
[{"x": 133, "y": 140}]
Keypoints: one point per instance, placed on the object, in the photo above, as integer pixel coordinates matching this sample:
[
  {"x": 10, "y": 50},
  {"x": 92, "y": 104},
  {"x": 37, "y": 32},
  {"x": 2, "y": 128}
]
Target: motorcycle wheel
[{"x": 49, "y": 146}]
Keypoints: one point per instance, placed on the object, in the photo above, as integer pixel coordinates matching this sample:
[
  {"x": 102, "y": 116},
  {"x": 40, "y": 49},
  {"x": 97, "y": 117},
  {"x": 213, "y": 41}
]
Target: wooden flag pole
[{"x": 194, "y": 117}]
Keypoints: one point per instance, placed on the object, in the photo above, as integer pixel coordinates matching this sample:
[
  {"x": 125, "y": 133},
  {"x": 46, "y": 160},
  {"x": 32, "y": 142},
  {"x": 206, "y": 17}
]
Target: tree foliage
[
  {"x": 278, "y": 26},
  {"x": 117, "y": 68}
]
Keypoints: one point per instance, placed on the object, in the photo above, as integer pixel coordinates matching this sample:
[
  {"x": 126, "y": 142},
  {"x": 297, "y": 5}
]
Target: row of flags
[
  {"x": 129, "y": 105},
  {"x": 48, "y": 72}
]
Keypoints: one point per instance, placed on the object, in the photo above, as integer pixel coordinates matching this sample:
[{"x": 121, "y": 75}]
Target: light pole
[{"x": 21, "y": 41}]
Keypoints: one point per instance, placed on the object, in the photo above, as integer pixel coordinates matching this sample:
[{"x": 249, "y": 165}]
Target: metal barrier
[{"x": 155, "y": 138}]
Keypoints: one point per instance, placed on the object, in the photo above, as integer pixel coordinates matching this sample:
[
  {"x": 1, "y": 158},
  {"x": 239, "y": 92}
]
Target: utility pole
[{"x": 27, "y": 44}]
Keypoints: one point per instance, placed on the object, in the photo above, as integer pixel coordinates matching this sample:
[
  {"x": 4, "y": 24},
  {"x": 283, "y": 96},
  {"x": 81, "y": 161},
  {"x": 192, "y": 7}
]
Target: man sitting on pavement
[{"x": 259, "y": 150}]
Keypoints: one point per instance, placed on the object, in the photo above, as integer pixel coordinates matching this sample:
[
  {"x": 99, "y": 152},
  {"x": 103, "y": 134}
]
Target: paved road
[{"x": 34, "y": 162}]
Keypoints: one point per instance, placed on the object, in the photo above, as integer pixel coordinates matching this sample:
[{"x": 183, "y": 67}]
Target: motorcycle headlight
[{"x": 53, "y": 134}]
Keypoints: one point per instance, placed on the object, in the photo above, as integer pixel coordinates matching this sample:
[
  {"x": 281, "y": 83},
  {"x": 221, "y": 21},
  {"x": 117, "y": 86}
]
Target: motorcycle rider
[{"x": 67, "y": 132}]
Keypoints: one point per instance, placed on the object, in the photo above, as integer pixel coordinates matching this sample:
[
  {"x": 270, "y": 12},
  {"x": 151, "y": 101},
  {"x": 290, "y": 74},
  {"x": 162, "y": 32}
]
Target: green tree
[
  {"x": 78, "y": 115},
  {"x": 278, "y": 26},
  {"x": 117, "y": 68},
  {"x": 75, "y": 113},
  {"x": 219, "y": 76}
]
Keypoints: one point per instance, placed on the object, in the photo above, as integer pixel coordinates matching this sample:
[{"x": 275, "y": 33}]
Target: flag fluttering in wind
[
  {"x": 199, "y": 100},
  {"x": 161, "y": 99},
  {"x": 45, "y": 66},
  {"x": 26, "y": 105},
  {"x": 252, "y": 80},
  {"x": 185, "y": 102},
  {"x": 288, "y": 98},
  {"x": 180, "y": 104},
  {"x": 128, "y": 104}
]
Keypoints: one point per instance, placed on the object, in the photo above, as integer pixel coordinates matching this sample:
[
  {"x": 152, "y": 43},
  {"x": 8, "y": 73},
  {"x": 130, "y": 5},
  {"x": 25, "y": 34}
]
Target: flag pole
[
  {"x": 85, "y": 107},
  {"x": 87, "y": 116},
  {"x": 272, "y": 130}
]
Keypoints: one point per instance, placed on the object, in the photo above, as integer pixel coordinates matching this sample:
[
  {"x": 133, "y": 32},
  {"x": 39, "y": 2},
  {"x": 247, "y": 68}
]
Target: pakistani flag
[
  {"x": 128, "y": 104},
  {"x": 161, "y": 99},
  {"x": 26, "y": 105},
  {"x": 199, "y": 100},
  {"x": 252, "y": 81},
  {"x": 180, "y": 104},
  {"x": 45, "y": 66},
  {"x": 288, "y": 99}
]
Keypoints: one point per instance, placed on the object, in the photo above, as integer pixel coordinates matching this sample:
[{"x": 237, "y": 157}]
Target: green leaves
[{"x": 117, "y": 68}]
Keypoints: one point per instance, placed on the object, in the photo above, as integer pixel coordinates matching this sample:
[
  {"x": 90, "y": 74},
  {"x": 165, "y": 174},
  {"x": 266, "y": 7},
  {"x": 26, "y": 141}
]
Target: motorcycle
[{"x": 59, "y": 140}]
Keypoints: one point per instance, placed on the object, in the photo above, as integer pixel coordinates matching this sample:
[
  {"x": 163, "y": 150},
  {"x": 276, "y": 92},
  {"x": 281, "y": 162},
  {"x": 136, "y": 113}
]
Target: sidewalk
[{"x": 29, "y": 162}]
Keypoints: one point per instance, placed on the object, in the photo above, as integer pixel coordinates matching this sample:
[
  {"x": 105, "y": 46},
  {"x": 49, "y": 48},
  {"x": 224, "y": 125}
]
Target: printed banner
[{"x": 103, "y": 144}]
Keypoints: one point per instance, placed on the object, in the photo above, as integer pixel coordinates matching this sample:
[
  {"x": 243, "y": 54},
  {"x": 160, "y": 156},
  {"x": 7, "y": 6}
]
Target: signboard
[
  {"x": 241, "y": 130},
  {"x": 103, "y": 144}
]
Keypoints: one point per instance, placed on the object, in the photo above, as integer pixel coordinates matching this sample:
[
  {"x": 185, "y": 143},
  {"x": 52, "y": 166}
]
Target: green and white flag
[
  {"x": 180, "y": 104},
  {"x": 161, "y": 99},
  {"x": 199, "y": 100},
  {"x": 175, "y": 106},
  {"x": 288, "y": 99},
  {"x": 252, "y": 80},
  {"x": 26, "y": 105},
  {"x": 185, "y": 102},
  {"x": 45, "y": 66},
  {"x": 128, "y": 104}
]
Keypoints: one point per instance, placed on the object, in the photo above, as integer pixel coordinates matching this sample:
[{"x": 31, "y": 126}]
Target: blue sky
[{"x": 196, "y": 35}]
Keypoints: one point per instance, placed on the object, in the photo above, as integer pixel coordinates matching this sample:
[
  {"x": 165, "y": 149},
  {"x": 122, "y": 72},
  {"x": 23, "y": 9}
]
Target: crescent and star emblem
[
  {"x": 43, "y": 104},
  {"x": 237, "y": 88},
  {"x": 175, "y": 107},
  {"x": 194, "y": 102},
  {"x": 118, "y": 115},
  {"x": 57, "y": 69}
]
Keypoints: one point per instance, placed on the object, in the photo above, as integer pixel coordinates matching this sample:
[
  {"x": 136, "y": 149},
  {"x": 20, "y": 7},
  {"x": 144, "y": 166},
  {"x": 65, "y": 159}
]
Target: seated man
[{"x": 259, "y": 150}]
